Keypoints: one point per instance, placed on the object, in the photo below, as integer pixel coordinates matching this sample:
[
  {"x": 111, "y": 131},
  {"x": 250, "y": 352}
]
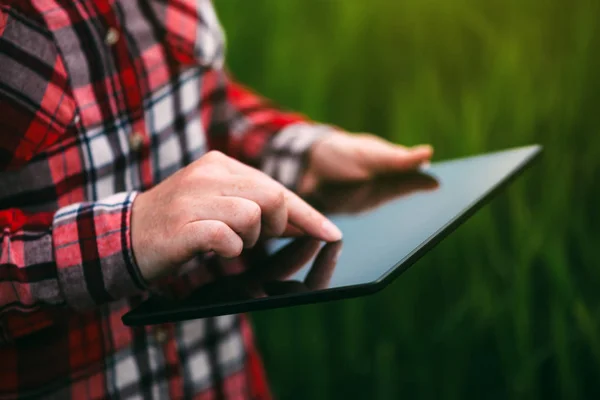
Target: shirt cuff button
[
  {"x": 112, "y": 36},
  {"x": 136, "y": 140},
  {"x": 160, "y": 335}
]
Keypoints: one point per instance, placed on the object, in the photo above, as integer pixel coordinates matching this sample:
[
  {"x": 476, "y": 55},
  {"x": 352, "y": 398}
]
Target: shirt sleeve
[
  {"x": 261, "y": 134},
  {"x": 80, "y": 256}
]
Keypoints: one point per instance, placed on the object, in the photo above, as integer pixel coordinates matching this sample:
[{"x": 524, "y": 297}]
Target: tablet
[{"x": 387, "y": 224}]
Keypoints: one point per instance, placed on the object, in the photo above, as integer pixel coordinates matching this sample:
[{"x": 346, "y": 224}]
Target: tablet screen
[{"x": 387, "y": 223}]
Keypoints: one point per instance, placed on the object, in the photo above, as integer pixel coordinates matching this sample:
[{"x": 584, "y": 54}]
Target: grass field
[{"x": 508, "y": 306}]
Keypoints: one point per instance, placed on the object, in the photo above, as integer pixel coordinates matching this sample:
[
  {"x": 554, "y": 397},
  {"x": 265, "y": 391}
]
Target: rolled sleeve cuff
[
  {"x": 285, "y": 157},
  {"x": 93, "y": 252}
]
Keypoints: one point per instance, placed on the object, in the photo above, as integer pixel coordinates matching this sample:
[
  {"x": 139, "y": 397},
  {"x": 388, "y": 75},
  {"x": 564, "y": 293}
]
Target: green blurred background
[{"x": 509, "y": 305}]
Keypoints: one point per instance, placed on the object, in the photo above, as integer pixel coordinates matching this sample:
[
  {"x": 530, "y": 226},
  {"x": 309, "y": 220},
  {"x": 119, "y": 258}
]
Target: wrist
[
  {"x": 319, "y": 150},
  {"x": 140, "y": 238},
  {"x": 287, "y": 157}
]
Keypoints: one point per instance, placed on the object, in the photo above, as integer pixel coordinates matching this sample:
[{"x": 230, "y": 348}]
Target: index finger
[
  {"x": 306, "y": 218},
  {"x": 300, "y": 214}
]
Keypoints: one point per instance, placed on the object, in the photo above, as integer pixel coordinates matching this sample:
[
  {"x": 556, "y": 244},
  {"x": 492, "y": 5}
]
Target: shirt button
[
  {"x": 136, "y": 140},
  {"x": 160, "y": 335},
  {"x": 76, "y": 119},
  {"x": 112, "y": 36}
]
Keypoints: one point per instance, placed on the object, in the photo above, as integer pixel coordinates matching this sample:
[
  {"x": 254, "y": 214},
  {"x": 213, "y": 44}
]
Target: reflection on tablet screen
[
  {"x": 387, "y": 224},
  {"x": 296, "y": 265}
]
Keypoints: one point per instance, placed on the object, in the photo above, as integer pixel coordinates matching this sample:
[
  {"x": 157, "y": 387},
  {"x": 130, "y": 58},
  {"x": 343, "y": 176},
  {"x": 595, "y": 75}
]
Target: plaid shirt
[{"x": 100, "y": 100}]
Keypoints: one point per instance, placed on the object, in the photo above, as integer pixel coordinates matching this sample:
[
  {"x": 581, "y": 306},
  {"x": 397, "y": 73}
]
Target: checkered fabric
[{"x": 100, "y": 100}]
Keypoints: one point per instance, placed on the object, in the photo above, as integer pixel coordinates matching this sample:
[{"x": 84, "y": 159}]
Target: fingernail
[
  {"x": 331, "y": 232},
  {"x": 425, "y": 165}
]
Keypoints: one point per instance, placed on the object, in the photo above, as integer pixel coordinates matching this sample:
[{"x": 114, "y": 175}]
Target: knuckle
[
  {"x": 218, "y": 232},
  {"x": 204, "y": 173},
  {"x": 359, "y": 153},
  {"x": 189, "y": 175},
  {"x": 250, "y": 183},
  {"x": 252, "y": 215},
  {"x": 214, "y": 156},
  {"x": 275, "y": 199},
  {"x": 280, "y": 199},
  {"x": 237, "y": 249}
]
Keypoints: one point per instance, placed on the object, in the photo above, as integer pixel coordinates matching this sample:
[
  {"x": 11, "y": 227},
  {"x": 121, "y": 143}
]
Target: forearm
[{"x": 261, "y": 134}]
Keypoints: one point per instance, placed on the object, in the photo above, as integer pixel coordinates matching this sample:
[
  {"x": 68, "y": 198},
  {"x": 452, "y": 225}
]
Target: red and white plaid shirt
[{"x": 101, "y": 99}]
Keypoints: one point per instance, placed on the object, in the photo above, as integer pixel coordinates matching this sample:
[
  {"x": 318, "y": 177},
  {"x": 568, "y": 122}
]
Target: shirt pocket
[
  {"x": 37, "y": 109},
  {"x": 191, "y": 31}
]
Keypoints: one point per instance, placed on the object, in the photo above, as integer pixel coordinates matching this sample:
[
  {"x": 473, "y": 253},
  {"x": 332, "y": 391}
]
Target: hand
[
  {"x": 215, "y": 204},
  {"x": 354, "y": 157}
]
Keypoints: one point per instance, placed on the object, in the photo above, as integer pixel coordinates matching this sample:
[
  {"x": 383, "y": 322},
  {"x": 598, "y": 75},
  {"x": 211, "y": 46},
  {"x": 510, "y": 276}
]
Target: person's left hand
[{"x": 343, "y": 156}]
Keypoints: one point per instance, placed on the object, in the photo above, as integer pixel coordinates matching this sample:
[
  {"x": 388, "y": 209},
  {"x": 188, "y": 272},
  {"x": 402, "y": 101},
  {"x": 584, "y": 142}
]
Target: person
[{"x": 127, "y": 152}]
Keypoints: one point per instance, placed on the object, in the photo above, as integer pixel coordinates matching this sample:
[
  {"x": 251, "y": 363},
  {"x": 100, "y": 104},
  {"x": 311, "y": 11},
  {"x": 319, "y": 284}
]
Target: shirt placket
[
  {"x": 139, "y": 142},
  {"x": 138, "y": 139}
]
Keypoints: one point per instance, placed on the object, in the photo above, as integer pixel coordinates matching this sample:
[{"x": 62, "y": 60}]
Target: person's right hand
[{"x": 215, "y": 204}]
